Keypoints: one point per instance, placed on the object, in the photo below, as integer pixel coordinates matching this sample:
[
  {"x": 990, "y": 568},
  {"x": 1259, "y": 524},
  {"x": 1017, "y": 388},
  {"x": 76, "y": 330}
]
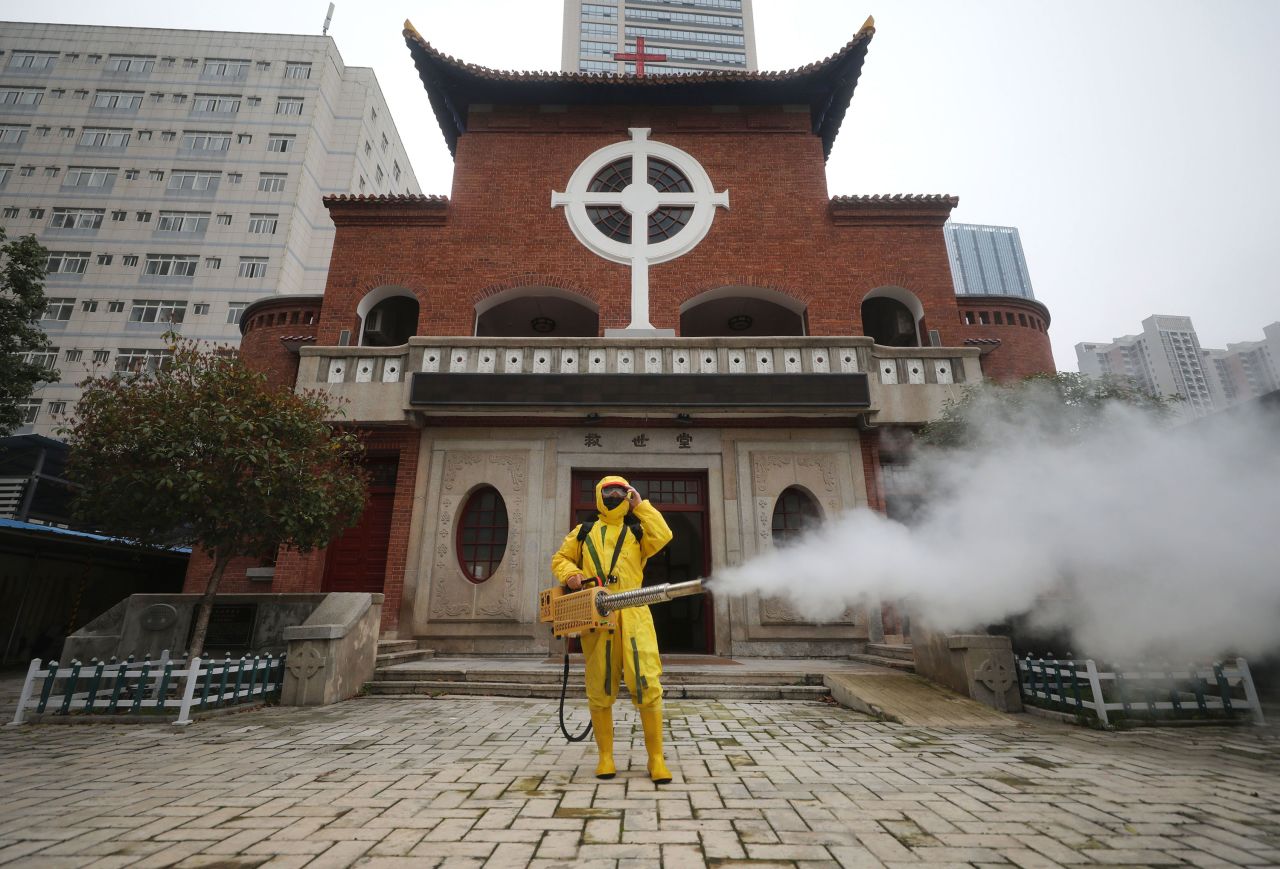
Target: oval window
[
  {"x": 793, "y": 514},
  {"x": 482, "y": 534}
]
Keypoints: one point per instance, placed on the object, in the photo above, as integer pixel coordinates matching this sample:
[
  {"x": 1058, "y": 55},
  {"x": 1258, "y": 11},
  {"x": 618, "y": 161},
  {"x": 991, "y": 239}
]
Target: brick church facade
[{"x": 636, "y": 274}]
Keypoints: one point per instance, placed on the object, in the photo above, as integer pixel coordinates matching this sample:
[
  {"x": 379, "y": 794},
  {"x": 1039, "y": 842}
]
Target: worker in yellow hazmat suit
[{"x": 615, "y": 548}]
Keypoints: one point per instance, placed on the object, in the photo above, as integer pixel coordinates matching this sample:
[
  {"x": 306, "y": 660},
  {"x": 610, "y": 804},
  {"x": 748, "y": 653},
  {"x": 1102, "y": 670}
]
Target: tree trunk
[{"x": 220, "y": 561}]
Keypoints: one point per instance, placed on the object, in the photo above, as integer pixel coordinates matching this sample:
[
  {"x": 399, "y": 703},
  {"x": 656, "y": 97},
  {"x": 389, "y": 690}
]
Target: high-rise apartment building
[
  {"x": 1248, "y": 369},
  {"x": 695, "y": 35},
  {"x": 175, "y": 176},
  {"x": 1165, "y": 359},
  {"x": 987, "y": 260}
]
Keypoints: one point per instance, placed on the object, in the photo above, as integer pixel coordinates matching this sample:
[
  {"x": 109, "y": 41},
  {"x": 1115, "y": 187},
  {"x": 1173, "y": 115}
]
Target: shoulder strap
[
  {"x": 617, "y": 551},
  {"x": 584, "y": 529},
  {"x": 633, "y": 522}
]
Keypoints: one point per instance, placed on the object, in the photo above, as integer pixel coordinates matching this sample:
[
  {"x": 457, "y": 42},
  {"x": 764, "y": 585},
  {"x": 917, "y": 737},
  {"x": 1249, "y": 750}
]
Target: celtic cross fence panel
[
  {"x": 1145, "y": 692},
  {"x": 165, "y": 687}
]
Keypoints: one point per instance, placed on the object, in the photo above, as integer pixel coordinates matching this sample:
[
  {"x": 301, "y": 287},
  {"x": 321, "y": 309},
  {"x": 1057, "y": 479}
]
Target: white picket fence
[
  {"x": 156, "y": 687},
  {"x": 1144, "y": 691}
]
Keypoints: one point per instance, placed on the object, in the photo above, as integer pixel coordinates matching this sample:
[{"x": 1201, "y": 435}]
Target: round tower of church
[
  {"x": 1013, "y": 334},
  {"x": 273, "y": 329}
]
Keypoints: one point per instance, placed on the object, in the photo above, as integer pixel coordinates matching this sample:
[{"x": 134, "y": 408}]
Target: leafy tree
[
  {"x": 22, "y": 302},
  {"x": 1059, "y": 406},
  {"x": 202, "y": 450}
]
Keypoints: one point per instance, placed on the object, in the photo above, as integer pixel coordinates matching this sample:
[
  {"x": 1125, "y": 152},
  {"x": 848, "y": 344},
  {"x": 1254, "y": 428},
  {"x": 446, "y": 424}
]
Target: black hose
[{"x": 564, "y": 689}]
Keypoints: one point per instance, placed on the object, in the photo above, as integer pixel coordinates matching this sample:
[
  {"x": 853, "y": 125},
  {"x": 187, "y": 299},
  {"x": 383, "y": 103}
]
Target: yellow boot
[
  {"x": 651, "y": 719},
  {"x": 602, "y": 725}
]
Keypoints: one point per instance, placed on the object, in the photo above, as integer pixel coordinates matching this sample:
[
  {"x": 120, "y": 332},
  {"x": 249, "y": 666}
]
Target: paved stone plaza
[{"x": 479, "y": 781}]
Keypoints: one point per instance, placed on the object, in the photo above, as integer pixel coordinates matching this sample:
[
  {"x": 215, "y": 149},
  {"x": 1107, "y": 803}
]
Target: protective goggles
[{"x": 614, "y": 492}]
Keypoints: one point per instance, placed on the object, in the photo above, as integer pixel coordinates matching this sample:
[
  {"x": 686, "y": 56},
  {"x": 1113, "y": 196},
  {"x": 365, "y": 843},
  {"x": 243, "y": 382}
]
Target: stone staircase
[
  {"x": 401, "y": 652},
  {"x": 897, "y": 657},
  {"x": 541, "y": 679}
]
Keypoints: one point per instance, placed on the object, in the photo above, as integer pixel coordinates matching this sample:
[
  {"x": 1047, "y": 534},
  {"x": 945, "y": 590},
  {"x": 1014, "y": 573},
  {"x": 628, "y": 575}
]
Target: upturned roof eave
[{"x": 826, "y": 86}]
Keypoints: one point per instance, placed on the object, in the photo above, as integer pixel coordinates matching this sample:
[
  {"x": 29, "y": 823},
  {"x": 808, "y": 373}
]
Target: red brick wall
[
  {"x": 502, "y": 232},
  {"x": 870, "y": 441},
  {"x": 1023, "y": 349},
  {"x": 265, "y": 324}
]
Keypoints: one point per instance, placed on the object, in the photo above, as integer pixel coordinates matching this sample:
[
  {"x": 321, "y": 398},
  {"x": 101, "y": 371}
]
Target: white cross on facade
[{"x": 640, "y": 199}]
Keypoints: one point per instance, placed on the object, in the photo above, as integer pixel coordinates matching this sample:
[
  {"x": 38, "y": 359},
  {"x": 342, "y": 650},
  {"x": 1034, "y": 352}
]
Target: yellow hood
[{"x": 614, "y": 516}]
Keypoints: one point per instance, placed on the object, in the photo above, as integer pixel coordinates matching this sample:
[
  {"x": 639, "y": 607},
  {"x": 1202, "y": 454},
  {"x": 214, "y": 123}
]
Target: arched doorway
[
  {"x": 537, "y": 312},
  {"x": 741, "y": 311},
  {"x": 891, "y": 317},
  {"x": 388, "y": 317}
]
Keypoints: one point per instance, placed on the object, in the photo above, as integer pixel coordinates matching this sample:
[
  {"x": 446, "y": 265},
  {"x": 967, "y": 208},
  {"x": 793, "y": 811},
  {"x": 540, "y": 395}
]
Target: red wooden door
[{"x": 357, "y": 560}]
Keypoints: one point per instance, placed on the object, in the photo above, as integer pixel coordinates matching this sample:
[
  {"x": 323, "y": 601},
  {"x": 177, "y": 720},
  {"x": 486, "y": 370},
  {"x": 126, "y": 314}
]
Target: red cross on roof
[{"x": 639, "y": 56}]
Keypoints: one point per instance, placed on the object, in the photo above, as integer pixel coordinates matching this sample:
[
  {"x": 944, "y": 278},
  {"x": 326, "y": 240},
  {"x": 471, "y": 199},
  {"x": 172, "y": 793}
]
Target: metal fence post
[
  {"x": 1095, "y": 685},
  {"x": 28, "y": 685},
  {"x": 189, "y": 691}
]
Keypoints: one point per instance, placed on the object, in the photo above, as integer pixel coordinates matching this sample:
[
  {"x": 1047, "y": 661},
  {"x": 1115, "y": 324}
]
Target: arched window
[
  {"x": 482, "y": 534},
  {"x": 537, "y": 312},
  {"x": 794, "y": 513},
  {"x": 741, "y": 312},
  {"x": 891, "y": 317},
  {"x": 388, "y": 317}
]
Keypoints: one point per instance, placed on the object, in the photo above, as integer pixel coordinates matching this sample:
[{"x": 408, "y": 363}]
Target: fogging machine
[{"x": 573, "y": 613}]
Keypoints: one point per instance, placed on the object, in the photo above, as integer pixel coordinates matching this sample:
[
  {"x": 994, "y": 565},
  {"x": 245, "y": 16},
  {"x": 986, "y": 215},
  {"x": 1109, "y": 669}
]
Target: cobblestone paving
[{"x": 479, "y": 781}]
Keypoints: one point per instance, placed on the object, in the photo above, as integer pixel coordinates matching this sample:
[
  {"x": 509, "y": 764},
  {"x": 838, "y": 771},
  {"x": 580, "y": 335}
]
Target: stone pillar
[{"x": 334, "y": 652}]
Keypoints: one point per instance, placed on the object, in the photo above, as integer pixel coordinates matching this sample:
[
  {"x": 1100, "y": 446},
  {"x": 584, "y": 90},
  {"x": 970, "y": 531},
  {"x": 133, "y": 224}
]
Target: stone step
[
  {"x": 893, "y": 663},
  {"x": 385, "y": 646},
  {"x": 885, "y": 650},
  {"x": 552, "y": 677},
  {"x": 408, "y": 656},
  {"x": 552, "y": 691}
]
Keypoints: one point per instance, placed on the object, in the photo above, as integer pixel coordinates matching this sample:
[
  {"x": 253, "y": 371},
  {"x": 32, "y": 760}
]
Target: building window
[
  {"x": 194, "y": 141},
  {"x": 89, "y": 177},
  {"x": 213, "y": 262},
  {"x": 104, "y": 259},
  {"x": 119, "y": 215},
  {"x": 46, "y": 359},
  {"x": 58, "y": 309},
  {"x": 129, "y": 259},
  {"x": 482, "y": 534},
  {"x": 368, "y": 148},
  {"x": 51, "y": 171},
  {"x": 167, "y": 62},
  {"x": 183, "y": 221},
  {"x": 226, "y": 68},
  {"x": 89, "y": 306},
  {"x": 77, "y": 218},
  {"x": 13, "y": 135},
  {"x": 385, "y": 141},
  {"x": 253, "y": 267},
  {"x": 378, "y": 175},
  {"x": 33, "y": 60},
  {"x": 297, "y": 70},
  {"x": 271, "y": 182},
  {"x": 226, "y": 104},
  {"x": 186, "y": 180},
  {"x": 279, "y": 143},
  {"x": 142, "y": 360},
  {"x": 66, "y": 263},
  {"x": 170, "y": 265},
  {"x": 10, "y": 211},
  {"x": 68, "y": 132},
  {"x": 263, "y": 224},
  {"x": 27, "y": 171},
  {"x": 35, "y": 213},
  {"x": 100, "y": 357},
  {"x": 74, "y": 355},
  {"x": 144, "y": 217},
  {"x": 156, "y": 175},
  {"x": 130, "y": 63},
  {"x": 153, "y": 311},
  {"x": 395, "y": 170},
  {"x": 244, "y": 139},
  {"x": 234, "y": 310},
  {"x": 117, "y": 99},
  {"x": 21, "y": 96},
  {"x": 28, "y": 411},
  {"x": 131, "y": 175},
  {"x": 234, "y": 177},
  {"x": 200, "y": 308},
  {"x": 794, "y": 513}
]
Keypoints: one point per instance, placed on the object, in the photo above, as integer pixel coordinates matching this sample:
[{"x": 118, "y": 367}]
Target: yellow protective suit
[{"x": 630, "y": 652}]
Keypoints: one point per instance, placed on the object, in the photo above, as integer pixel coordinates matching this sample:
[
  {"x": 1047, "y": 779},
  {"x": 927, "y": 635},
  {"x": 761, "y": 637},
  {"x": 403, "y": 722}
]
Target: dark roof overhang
[{"x": 826, "y": 87}]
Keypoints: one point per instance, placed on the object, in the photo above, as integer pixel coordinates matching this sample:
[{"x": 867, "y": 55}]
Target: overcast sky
[{"x": 1134, "y": 143}]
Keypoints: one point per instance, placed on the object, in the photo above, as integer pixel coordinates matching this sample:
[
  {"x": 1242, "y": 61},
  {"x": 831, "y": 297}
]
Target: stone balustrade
[{"x": 906, "y": 385}]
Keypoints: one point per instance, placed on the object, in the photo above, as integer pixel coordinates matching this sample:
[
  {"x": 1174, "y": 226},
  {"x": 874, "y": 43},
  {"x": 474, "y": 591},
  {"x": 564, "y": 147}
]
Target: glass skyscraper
[
  {"x": 987, "y": 260},
  {"x": 695, "y": 35}
]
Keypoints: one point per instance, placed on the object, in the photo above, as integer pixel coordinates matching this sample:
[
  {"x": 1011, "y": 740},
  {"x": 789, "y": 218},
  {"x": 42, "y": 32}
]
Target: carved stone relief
[{"x": 453, "y": 596}]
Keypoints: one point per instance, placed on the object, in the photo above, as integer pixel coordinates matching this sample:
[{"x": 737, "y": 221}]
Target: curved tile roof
[{"x": 826, "y": 86}]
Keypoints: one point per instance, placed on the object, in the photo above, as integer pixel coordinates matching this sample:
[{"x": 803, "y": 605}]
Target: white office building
[
  {"x": 1249, "y": 369},
  {"x": 175, "y": 176},
  {"x": 695, "y": 35}
]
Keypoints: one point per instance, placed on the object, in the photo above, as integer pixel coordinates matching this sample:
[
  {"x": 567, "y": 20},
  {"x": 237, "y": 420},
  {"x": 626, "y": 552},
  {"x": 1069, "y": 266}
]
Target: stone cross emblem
[
  {"x": 640, "y": 199},
  {"x": 996, "y": 675}
]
